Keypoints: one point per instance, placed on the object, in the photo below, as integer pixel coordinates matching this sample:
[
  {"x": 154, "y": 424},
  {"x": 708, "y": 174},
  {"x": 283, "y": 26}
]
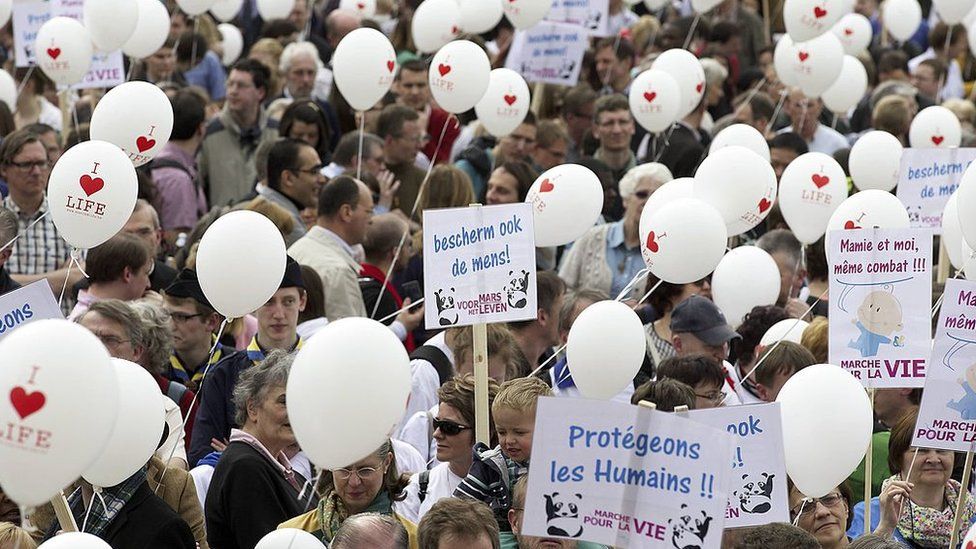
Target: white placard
[
  {"x": 549, "y": 52},
  {"x": 479, "y": 265},
  {"x": 880, "y": 301},
  {"x": 757, "y": 485},
  {"x": 27, "y": 17},
  {"x": 26, "y": 304},
  {"x": 626, "y": 476},
  {"x": 947, "y": 417},
  {"x": 928, "y": 178},
  {"x": 592, "y": 15}
]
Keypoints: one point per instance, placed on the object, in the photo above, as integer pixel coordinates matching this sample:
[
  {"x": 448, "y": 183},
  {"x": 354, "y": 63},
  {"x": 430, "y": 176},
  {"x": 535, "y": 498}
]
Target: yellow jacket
[{"x": 309, "y": 522}]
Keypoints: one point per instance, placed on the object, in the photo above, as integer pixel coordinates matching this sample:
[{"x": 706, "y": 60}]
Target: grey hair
[
  {"x": 143, "y": 204},
  {"x": 295, "y": 49},
  {"x": 368, "y": 530},
  {"x": 8, "y": 226},
  {"x": 783, "y": 241},
  {"x": 257, "y": 381},
  {"x": 715, "y": 72},
  {"x": 157, "y": 335},
  {"x": 121, "y": 313},
  {"x": 658, "y": 172}
]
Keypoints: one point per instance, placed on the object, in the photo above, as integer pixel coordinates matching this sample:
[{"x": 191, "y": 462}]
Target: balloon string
[
  {"x": 362, "y": 135},
  {"x": 779, "y": 106},
  {"x": 413, "y": 210},
  {"x": 938, "y": 302},
  {"x": 667, "y": 142},
  {"x": 945, "y": 49},
  {"x": 752, "y": 93},
  {"x": 803, "y": 504},
  {"x": 32, "y": 223},
  {"x": 691, "y": 31},
  {"x": 780, "y": 340},
  {"x": 132, "y": 66},
  {"x": 311, "y": 491},
  {"x": 97, "y": 493},
  {"x": 911, "y": 465},
  {"x": 616, "y": 46},
  {"x": 398, "y": 311},
  {"x": 193, "y": 46},
  {"x": 23, "y": 84},
  {"x": 641, "y": 275},
  {"x": 196, "y": 395}
]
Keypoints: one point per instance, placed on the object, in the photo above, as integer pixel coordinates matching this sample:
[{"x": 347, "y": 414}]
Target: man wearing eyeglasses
[
  {"x": 403, "y": 136},
  {"x": 699, "y": 327},
  {"x": 294, "y": 180},
  {"x": 40, "y": 252},
  {"x": 193, "y": 321},
  {"x": 613, "y": 127}
]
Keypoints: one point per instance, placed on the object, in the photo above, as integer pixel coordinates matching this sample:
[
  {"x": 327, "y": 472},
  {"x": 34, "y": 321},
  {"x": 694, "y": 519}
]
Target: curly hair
[
  {"x": 257, "y": 381},
  {"x": 458, "y": 393},
  {"x": 754, "y": 326},
  {"x": 157, "y": 336}
]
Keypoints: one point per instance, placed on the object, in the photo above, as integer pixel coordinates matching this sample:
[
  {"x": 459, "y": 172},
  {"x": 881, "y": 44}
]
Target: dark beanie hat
[
  {"x": 186, "y": 285},
  {"x": 293, "y": 275}
]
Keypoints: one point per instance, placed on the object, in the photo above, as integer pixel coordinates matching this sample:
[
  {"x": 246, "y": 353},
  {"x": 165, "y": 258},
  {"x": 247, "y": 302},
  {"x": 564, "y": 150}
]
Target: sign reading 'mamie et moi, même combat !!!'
[
  {"x": 479, "y": 265},
  {"x": 626, "y": 476}
]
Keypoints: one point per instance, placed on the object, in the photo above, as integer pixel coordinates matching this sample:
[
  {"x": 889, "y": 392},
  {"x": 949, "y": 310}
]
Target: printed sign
[
  {"x": 880, "y": 299},
  {"x": 626, "y": 476},
  {"x": 27, "y": 304},
  {"x": 758, "y": 481},
  {"x": 928, "y": 178},
  {"x": 947, "y": 417},
  {"x": 549, "y": 52},
  {"x": 28, "y": 18},
  {"x": 592, "y": 15},
  {"x": 480, "y": 265}
]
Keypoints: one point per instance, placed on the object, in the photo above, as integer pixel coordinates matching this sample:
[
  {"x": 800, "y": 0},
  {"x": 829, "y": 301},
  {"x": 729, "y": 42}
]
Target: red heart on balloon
[
  {"x": 819, "y": 12},
  {"x": 54, "y": 52},
  {"x": 510, "y": 99},
  {"x": 91, "y": 185},
  {"x": 803, "y": 56},
  {"x": 850, "y": 225},
  {"x": 390, "y": 65},
  {"x": 848, "y": 32},
  {"x": 820, "y": 180},
  {"x": 443, "y": 69},
  {"x": 144, "y": 143},
  {"x": 360, "y": 5},
  {"x": 764, "y": 205},
  {"x": 650, "y": 96},
  {"x": 546, "y": 186},
  {"x": 652, "y": 246},
  {"x": 699, "y": 87},
  {"x": 26, "y": 403},
  {"x": 937, "y": 139}
]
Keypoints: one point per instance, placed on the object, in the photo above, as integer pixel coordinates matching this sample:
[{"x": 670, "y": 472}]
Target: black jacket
[
  {"x": 7, "y": 284},
  {"x": 146, "y": 522},
  {"x": 215, "y": 408}
]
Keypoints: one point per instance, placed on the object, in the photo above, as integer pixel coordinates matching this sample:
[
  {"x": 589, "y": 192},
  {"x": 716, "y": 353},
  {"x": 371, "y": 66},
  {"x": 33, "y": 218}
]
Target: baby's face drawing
[{"x": 880, "y": 313}]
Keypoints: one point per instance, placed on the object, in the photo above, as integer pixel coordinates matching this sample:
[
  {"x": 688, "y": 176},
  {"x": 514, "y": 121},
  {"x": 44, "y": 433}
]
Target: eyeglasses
[
  {"x": 420, "y": 139},
  {"x": 27, "y": 166},
  {"x": 363, "y": 473},
  {"x": 182, "y": 317},
  {"x": 717, "y": 396},
  {"x": 448, "y": 427},
  {"x": 314, "y": 170},
  {"x": 808, "y": 506},
  {"x": 111, "y": 341},
  {"x": 642, "y": 195}
]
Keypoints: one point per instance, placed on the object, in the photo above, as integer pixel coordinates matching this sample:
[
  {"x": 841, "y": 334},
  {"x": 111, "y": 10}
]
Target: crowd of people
[{"x": 272, "y": 134}]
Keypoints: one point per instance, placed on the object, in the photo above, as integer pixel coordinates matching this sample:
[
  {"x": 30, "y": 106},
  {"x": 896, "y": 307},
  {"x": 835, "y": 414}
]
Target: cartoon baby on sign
[
  {"x": 878, "y": 317},
  {"x": 966, "y": 406}
]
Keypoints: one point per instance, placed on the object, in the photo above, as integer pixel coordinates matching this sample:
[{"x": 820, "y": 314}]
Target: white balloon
[
  {"x": 655, "y": 5},
  {"x": 345, "y": 361},
  {"x": 110, "y": 22},
  {"x": 814, "y": 65},
  {"x": 952, "y": 231},
  {"x": 233, "y": 42},
  {"x": 808, "y": 19},
  {"x": 363, "y": 8},
  {"x": 953, "y": 11},
  {"x": 966, "y": 205},
  {"x": 64, "y": 50},
  {"x": 435, "y": 23},
  {"x": 603, "y": 325},
  {"x": 790, "y": 329},
  {"x": 226, "y": 10},
  {"x": 363, "y": 65},
  {"x": 784, "y": 56},
  {"x": 8, "y": 90},
  {"x": 655, "y": 100},
  {"x": 812, "y": 187},
  {"x": 743, "y": 135},
  {"x": 875, "y": 161},
  {"x": 478, "y": 16},
  {"x": 683, "y": 241},
  {"x": 138, "y": 426},
  {"x": 258, "y": 260},
  {"x": 135, "y": 116},
  {"x": 459, "y": 75},
  {"x": 289, "y": 538},
  {"x": 525, "y": 13},
  {"x": 704, "y": 6},
  {"x": 746, "y": 277},
  {"x": 865, "y": 210},
  {"x": 901, "y": 17},
  {"x": 739, "y": 184},
  {"x": 6, "y": 7},
  {"x": 935, "y": 127},
  {"x": 827, "y": 423},
  {"x": 687, "y": 71},
  {"x": 45, "y": 364},
  {"x": 855, "y": 33},
  {"x": 196, "y": 7},
  {"x": 849, "y": 88},
  {"x": 566, "y": 201},
  {"x": 274, "y": 9},
  {"x": 75, "y": 540},
  {"x": 505, "y": 103},
  {"x": 91, "y": 192},
  {"x": 968, "y": 262},
  {"x": 683, "y": 187},
  {"x": 152, "y": 28}
]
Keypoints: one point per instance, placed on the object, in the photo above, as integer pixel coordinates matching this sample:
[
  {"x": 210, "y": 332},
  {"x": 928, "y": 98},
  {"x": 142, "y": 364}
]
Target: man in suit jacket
[{"x": 344, "y": 211}]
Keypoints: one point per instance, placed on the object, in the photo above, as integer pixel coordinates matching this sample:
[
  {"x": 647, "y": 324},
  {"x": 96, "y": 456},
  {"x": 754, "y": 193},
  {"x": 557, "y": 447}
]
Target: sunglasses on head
[{"x": 448, "y": 427}]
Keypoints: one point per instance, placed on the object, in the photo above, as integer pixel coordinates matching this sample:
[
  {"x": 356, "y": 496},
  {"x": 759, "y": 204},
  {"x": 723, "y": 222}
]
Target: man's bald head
[
  {"x": 370, "y": 530},
  {"x": 339, "y": 23},
  {"x": 383, "y": 236}
]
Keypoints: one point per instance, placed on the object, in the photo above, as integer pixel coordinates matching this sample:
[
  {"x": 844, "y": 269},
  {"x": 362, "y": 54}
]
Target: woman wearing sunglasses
[
  {"x": 452, "y": 429},
  {"x": 371, "y": 485},
  {"x": 827, "y": 518},
  {"x": 918, "y": 503}
]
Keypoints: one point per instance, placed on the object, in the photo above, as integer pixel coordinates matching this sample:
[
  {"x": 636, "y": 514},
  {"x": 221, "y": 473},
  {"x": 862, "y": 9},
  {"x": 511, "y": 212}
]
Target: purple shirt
[{"x": 179, "y": 200}]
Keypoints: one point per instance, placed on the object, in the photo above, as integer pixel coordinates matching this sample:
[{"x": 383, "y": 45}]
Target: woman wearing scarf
[
  {"x": 918, "y": 510},
  {"x": 253, "y": 487},
  {"x": 371, "y": 485}
]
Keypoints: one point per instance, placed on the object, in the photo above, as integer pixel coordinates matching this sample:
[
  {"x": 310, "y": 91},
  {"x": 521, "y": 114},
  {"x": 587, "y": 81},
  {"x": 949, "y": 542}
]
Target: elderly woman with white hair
[{"x": 608, "y": 257}]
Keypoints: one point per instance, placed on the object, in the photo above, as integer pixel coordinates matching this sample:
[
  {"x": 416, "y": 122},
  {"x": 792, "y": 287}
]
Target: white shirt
[
  {"x": 739, "y": 394},
  {"x": 408, "y": 460},
  {"x": 441, "y": 485},
  {"x": 953, "y": 87},
  {"x": 418, "y": 434},
  {"x": 424, "y": 383},
  {"x": 825, "y": 140}
]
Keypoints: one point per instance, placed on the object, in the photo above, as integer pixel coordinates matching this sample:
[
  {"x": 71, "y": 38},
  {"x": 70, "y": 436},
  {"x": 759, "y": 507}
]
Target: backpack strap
[
  {"x": 436, "y": 357},
  {"x": 423, "y": 482}
]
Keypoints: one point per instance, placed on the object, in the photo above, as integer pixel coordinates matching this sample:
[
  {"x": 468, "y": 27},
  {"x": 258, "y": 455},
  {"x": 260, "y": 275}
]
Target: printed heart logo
[
  {"x": 54, "y": 52},
  {"x": 144, "y": 143},
  {"x": 510, "y": 99},
  {"x": 650, "y": 96},
  {"x": 848, "y": 32},
  {"x": 390, "y": 65},
  {"x": 26, "y": 403},
  {"x": 454, "y": 29},
  {"x": 546, "y": 186},
  {"x": 652, "y": 246},
  {"x": 699, "y": 87},
  {"x": 803, "y": 56},
  {"x": 819, "y": 12},
  {"x": 90, "y": 185},
  {"x": 820, "y": 180},
  {"x": 850, "y": 225},
  {"x": 443, "y": 69},
  {"x": 971, "y": 545},
  {"x": 764, "y": 205},
  {"x": 937, "y": 139},
  {"x": 361, "y": 6}
]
